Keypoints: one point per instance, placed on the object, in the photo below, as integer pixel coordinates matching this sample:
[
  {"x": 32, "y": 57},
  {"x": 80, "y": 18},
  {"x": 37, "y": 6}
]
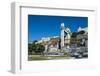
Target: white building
[
  {"x": 83, "y": 29},
  {"x": 45, "y": 39}
]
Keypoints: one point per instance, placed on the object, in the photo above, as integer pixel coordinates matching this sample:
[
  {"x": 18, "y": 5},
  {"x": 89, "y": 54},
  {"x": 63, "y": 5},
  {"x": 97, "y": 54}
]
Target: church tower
[{"x": 62, "y": 35}]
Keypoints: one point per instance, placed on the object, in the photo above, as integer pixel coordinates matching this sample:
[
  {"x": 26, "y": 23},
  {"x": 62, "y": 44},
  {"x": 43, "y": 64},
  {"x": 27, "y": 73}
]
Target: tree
[
  {"x": 81, "y": 32},
  {"x": 74, "y": 35},
  {"x": 30, "y": 48},
  {"x": 35, "y": 48},
  {"x": 39, "y": 49}
]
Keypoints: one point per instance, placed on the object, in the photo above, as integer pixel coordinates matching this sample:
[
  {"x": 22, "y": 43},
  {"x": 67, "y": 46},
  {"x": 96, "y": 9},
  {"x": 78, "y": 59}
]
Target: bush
[{"x": 36, "y": 48}]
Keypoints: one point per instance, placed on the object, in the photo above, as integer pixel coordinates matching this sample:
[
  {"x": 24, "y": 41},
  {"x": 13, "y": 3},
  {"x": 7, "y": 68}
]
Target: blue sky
[{"x": 47, "y": 26}]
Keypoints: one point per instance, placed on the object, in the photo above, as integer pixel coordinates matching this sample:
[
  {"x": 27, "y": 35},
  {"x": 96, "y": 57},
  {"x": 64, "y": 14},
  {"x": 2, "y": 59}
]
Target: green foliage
[
  {"x": 30, "y": 49},
  {"x": 74, "y": 35},
  {"x": 35, "y": 48},
  {"x": 39, "y": 48},
  {"x": 81, "y": 32}
]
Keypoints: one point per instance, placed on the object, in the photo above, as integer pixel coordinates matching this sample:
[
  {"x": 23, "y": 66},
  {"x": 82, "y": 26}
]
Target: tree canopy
[{"x": 35, "y": 48}]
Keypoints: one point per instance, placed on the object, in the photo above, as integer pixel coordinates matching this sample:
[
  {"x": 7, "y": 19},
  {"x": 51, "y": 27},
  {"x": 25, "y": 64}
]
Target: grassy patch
[{"x": 41, "y": 57}]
